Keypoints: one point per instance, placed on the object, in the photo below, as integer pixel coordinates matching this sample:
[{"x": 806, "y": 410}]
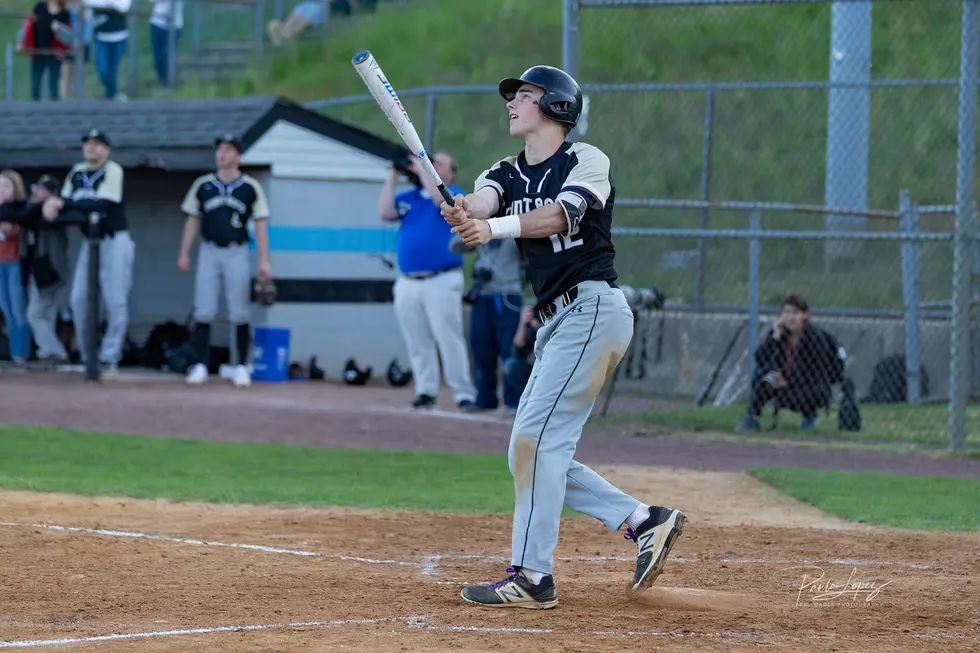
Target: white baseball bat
[{"x": 374, "y": 78}]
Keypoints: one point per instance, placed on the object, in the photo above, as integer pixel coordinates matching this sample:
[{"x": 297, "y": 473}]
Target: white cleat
[
  {"x": 197, "y": 375},
  {"x": 241, "y": 379}
]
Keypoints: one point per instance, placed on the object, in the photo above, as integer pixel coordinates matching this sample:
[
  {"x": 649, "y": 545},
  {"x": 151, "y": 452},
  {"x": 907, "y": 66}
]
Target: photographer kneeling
[
  {"x": 795, "y": 366},
  {"x": 496, "y": 300}
]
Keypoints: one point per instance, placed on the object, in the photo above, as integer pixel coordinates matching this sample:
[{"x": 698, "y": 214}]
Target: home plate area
[{"x": 124, "y": 575}]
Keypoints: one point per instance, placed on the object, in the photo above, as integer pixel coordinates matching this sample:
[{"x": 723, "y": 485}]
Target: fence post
[
  {"x": 132, "y": 47},
  {"x": 709, "y": 124},
  {"x": 8, "y": 74},
  {"x": 172, "y": 46},
  {"x": 431, "y": 102},
  {"x": 78, "y": 45},
  {"x": 752, "y": 337},
  {"x": 196, "y": 29},
  {"x": 259, "y": 27},
  {"x": 959, "y": 341},
  {"x": 908, "y": 214},
  {"x": 569, "y": 42},
  {"x": 91, "y": 343}
]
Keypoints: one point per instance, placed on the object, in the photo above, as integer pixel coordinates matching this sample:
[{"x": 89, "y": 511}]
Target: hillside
[{"x": 769, "y": 145}]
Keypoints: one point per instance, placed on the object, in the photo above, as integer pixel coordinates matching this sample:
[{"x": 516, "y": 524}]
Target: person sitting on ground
[{"x": 796, "y": 366}]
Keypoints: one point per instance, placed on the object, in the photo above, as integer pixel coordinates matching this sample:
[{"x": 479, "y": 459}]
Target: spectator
[
  {"x": 49, "y": 271},
  {"x": 163, "y": 12},
  {"x": 12, "y": 301},
  {"x": 517, "y": 366},
  {"x": 81, "y": 23},
  {"x": 46, "y": 37},
  {"x": 111, "y": 33},
  {"x": 311, "y": 13},
  {"x": 795, "y": 366},
  {"x": 429, "y": 290},
  {"x": 96, "y": 185},
  {"x": 496, "y": 300}
]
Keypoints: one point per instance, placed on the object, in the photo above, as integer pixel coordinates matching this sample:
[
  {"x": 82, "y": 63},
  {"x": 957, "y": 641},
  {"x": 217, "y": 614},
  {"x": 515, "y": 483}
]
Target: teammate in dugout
[
  {"x": 219, "y": 206},
  {"x": 556, "y": 199},
  {"x": 96, "y": 185}
]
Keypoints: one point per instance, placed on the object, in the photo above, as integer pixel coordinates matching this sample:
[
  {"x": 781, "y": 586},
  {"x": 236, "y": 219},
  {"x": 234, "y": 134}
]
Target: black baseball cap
[
  {"x": 98, "y": 135},
  {"x": 231, "y": 139},
  {"x": 50, "y": 182}
]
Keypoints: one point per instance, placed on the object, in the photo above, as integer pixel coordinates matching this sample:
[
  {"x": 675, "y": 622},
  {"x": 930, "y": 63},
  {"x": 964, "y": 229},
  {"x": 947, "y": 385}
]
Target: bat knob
[{"x": 361, "y": 56}]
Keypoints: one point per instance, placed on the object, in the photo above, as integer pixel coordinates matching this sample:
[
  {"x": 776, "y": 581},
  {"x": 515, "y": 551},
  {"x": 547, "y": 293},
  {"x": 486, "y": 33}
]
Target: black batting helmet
[{"x": 562, "y": 99}]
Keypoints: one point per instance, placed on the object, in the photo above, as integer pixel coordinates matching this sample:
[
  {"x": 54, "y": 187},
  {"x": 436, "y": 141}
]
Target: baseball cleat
[
  {"x": 197, "y": 375},
  {"x": 241, "y": 379},
  {"x": 515, "y": 591},
  {"x": 654, "y": 539}
]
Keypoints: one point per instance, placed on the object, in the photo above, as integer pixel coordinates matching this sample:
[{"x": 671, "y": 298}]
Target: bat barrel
[{"x": 361, "y": 57}]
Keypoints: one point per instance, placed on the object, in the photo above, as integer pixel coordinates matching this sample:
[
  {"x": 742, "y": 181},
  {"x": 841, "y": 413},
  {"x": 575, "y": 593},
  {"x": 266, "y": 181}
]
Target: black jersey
[
  {"x": 225, "y": 209},
  {"x": 90, "y": 190},
  {"x": 577, "y": 175}
]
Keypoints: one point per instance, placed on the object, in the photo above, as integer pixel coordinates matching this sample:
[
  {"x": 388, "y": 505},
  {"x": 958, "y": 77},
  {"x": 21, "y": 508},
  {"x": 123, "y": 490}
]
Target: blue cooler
[{"x": 270, "y": 355}]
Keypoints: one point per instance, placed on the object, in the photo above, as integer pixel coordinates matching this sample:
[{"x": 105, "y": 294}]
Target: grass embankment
[{"x": 768, "y": 145}]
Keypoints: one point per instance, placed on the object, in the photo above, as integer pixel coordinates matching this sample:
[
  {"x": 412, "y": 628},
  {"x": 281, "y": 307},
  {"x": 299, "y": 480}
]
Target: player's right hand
[
  {"x": 184, "y": 263},
  {"x": 455, "y": 215}
]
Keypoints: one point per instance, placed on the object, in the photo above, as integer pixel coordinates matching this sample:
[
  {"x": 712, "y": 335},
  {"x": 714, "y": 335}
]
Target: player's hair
[
  {"x": 20, "y": 192},
  {"x": 796, "y": 301}
]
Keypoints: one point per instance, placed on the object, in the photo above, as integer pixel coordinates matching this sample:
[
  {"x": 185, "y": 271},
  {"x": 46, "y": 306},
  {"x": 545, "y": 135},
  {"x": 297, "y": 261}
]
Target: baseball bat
[{"x": 374, "y": 78}]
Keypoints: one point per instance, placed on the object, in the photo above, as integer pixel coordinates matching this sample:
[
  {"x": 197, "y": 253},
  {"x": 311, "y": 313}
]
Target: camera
[{"x": 480, "y": 277}]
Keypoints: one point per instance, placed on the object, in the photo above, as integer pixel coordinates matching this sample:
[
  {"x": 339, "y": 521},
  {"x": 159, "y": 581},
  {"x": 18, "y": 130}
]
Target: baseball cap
[
  {"x": 50, "y": 182},
  {"x": 98, "y": 135},
  {"x": 233, "y": 140}
]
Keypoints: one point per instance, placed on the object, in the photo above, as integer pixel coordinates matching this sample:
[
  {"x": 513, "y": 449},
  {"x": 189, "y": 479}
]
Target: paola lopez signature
[{"x": 823, "y": 590}]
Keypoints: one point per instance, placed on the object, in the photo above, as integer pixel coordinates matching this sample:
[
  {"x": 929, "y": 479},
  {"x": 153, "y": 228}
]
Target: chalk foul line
[
  {"x": 412, "y": 623},
  {"x": 430, "y": 563},
  {"x": 39, "y": 643}
]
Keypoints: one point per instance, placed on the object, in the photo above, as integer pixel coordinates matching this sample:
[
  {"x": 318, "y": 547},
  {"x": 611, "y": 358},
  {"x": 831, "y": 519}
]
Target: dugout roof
[{"x": 161, "y": 134}]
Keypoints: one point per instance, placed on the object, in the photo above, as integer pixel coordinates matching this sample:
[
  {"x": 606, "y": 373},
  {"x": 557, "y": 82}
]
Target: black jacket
[{"x": 817, "y": 363}]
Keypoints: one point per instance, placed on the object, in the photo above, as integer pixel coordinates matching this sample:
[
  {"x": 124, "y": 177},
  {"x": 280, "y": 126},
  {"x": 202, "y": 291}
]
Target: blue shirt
[{"x": 423, "y": 240}]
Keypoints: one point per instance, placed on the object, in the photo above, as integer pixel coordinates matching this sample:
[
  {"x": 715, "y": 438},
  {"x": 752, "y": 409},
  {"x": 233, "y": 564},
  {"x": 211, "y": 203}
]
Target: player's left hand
[
  {"x": 474, "y": 232},
  {"x": 265, "y": 272}
]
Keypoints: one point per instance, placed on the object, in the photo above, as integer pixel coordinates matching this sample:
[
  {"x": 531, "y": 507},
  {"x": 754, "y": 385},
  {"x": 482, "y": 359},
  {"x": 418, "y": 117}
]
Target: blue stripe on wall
[{"x": 332, "y": 239}]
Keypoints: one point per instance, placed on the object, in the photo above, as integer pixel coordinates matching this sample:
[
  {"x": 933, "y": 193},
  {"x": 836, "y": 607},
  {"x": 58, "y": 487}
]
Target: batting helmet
[
  {"x": 354, "y": 375},
  {"x": 562, "y": 99},
  {"x": 264, "y": 291},
  {"x": 398, "y": 375}
]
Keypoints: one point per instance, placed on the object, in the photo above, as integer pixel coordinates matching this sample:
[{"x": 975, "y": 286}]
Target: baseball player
[
  {"x": 556, "y": 198},
  {"x": 219, "y": 206},
  {"x": 96, "y": 185}
]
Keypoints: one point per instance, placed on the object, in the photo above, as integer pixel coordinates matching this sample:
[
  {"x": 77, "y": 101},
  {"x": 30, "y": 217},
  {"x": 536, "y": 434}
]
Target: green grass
[
  {"x": 883, "y": 499},
  {"x": 55, "y": 460},
  {"x": 899, "y": 424},
  {"x": 769, "y": 145}
]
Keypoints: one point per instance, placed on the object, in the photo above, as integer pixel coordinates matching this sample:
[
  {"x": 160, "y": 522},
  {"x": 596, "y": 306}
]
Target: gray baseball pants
[
  {"x": 116, "y": 255},
  {"x": 575, "y": 352},
  {"x": 42, "y": 314},
  {"x": 230, "y": 266}
]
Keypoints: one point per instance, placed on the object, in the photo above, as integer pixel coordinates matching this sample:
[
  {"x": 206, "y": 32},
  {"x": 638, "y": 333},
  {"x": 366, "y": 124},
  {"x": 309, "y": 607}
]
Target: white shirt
[{"x": 161, "y": 14}]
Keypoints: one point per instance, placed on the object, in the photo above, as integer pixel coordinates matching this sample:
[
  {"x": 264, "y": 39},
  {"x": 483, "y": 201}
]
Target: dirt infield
[
  {"x": 114, "y": 574},
  {"x": 318, "y": 580}
]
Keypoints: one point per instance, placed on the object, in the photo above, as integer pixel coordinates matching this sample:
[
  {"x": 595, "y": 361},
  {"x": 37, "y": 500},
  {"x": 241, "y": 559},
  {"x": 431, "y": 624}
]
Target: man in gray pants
[
  {"x": 50, "y": 270},
  {"x": 219, "y": 206},
  {"x": 96, "y": 185}
]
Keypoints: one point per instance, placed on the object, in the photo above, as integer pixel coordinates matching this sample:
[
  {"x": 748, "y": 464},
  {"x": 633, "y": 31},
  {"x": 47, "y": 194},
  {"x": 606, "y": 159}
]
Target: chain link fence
[
  {"x": 862, "y": 112},
  {"x": 768, "y": 147}
]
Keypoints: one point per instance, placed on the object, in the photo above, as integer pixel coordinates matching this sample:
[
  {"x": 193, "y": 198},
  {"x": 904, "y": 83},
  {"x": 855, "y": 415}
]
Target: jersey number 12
[{"x": 560, "y": 243}]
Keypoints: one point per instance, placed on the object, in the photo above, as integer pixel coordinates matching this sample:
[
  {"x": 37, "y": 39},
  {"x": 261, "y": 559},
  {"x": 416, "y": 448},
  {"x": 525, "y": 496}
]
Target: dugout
[{"x": 322, "y": 178}]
